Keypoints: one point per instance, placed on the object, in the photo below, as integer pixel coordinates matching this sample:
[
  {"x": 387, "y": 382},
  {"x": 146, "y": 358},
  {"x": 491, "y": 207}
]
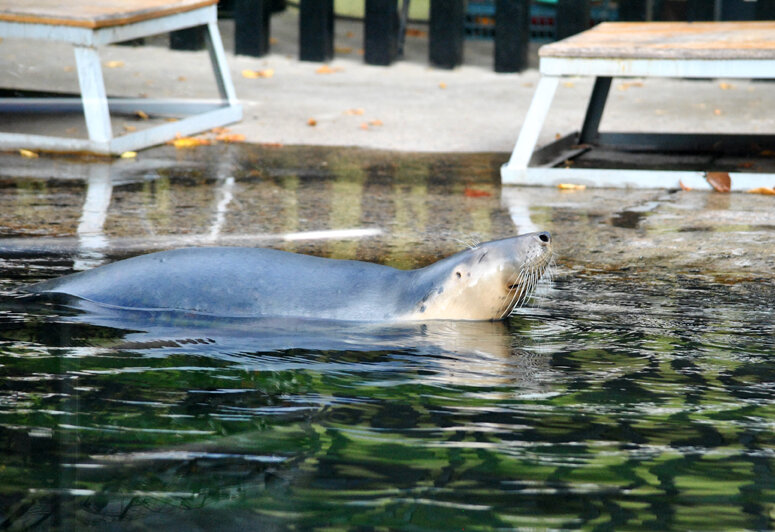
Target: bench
[
  {"x": 88, "y": 24},
  {"x": 644, "y": 49}
]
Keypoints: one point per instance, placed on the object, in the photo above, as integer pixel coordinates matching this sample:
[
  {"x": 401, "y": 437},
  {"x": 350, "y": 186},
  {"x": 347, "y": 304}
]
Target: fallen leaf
[
  {"x": 376, "y": 122},
  {"x": 28, "y": 153},
  {"x": 746, "y": 164},
  {"x": 181, "y": 78},
  {"x": 349, "y": 35},
  {"x": 571, "y": 186},
  {"x": 343, "y": 49},
  {"x": 129, "y": 155},
  {"x": 172, "y": 119},
  {"x": 717, "y": 112},
  {"x": 476, "y": 193},
  {"x": 626, "y": 85},
  {"x": 725, "y": 86},
  {"x": 683, "y": 187},
  {"x": 129, "y": 128},
  {"x": 256, "y": 74},
  {"x": 220, "y": 130},
  {"x": 413, "y": 32},
  {"x": 230, "y": 137},
  {"x": 763, "y": 190},
  {"x": 189, "y": 142},
  {"x": 114, "y": 64},
  {"x": 720, "y": 181},
  {"x": 356, "y": 111},
  {"x": 442, "y": 85},
  {"x": 273, "y": 40},
  {"x": 272, "y": 144},
  {"x": 312, "y": 122},
  {"x": 568, "y": 84},
  {"x": 68, "y": 68},
  {"x": 767, "y": 153},
  {"x": 142, "y": 114},
  {"x": 325, "y": 69},
  {"x": 365, "y": 125}
]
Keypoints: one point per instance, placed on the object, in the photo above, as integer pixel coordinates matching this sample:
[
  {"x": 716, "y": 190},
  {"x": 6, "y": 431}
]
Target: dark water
[{"x": 622, "y": 398}]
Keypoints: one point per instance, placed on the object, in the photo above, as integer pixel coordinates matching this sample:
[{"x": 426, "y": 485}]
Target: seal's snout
[{"x": 544, "y": 237}]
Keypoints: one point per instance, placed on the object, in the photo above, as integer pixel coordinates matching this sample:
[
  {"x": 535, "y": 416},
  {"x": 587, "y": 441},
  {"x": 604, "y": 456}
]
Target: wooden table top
[
  {"x": 93, "y": 13},
  {"x": 669, "y": 40}
]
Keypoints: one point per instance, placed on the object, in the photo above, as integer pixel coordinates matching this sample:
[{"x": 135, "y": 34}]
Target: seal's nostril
[{"x": 544, "y": 237}]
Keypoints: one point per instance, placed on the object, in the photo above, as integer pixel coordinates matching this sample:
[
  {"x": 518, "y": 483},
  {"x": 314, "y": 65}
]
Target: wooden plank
[
  {"x": 93, "y": 14},
  {"x": 669, "y": 40}
]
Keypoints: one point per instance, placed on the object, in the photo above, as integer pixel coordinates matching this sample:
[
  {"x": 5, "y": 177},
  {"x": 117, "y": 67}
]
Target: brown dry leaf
[
  {"x": 114, "y": 64},
  {"x": 413, "y": 32},
  {"x": 571, "y": 186},
  {"x": 683, "y": 187},
  {"x": 325, "y": 69},
  {"x": 343, "y": 49},
  {"x": 476, "y": 193},
  {"x": 256, "y": 74},
  {"x": 356, "y": 111},
  {"x": 189, "y": 142},
  {"x": 365, "y": 125},
  {"x": 220, "y": 130},
  {"x": 273, "y": 40},
  {"x": 720, "y": 181},
  {"x": 725, "y": 86},
  {"x": 767, "y": 153},
  {"x": 142, "y": 114},
  {"x": 312, "y": 122},
  {"x": 376, "y": 122},
  {"x": 763, "y": 190},
  {"x": 28, "y": 153},
  {"x": 181, "y": 78}
]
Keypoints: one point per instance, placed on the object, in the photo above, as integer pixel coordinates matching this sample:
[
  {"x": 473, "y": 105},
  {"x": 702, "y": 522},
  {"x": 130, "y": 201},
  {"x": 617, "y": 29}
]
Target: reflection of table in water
[{"x": 668, "y": 50}]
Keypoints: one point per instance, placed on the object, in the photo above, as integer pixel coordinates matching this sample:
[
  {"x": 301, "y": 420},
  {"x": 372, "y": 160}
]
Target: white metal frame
[
  {"x": 518, "y": 170},
  {"x": 97, "y": 106}
]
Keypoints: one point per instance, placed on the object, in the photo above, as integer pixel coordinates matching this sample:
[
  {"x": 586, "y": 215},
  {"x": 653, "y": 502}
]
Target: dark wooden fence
[{"x": 384, "y": 23}]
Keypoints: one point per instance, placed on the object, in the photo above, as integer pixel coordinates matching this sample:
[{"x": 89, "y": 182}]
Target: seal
[{"x": 485, "y": 282}]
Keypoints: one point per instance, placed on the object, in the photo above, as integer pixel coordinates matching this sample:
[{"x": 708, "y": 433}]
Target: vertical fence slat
[
  {"x": 316, "y": 30},
  {"x": 512, "y": 35},
  {"x": 251, "y": 27},
  {"x": 447, "y": 25},
  {"x": 572, "y": 17},
  {"x": 380, "y": 42}
]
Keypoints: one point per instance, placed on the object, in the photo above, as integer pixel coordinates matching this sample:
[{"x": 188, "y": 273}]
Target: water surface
[{"x": 631, "y": 394}]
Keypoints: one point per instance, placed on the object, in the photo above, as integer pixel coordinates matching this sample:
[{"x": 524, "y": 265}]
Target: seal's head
[{"x": 486, "y": 282}]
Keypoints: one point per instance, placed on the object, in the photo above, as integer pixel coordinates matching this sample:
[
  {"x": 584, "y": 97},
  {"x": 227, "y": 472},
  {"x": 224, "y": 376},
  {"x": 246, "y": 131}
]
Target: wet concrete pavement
[{"x": 411, "y": 177}]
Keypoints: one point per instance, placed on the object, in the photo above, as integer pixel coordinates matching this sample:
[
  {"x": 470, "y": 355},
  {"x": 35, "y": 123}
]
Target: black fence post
[
  {"x": 572, "y": 17},
  {"x": 512, "y": 35},
  {"x": 765, "y": 10},
  {"x": 188, "y": 39},
  {"x": 316, "y": 30},
  {"x": 447, "y": 24},
  {"x": 251, "y": 27},
  {"x": 633, "y": 10},
  {"x": 380, "y": 41},
  {"x": 697, "y": 10}
]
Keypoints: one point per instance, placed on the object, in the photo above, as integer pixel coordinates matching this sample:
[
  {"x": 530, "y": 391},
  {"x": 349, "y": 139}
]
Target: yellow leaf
[
  {"x": 129, "y": 155},
  {"x": 325, "y": 69},
  {"x": 725, "y": 86},
  {"x": 142, "y": 114},
  {"x": 376, "y": 122},
  {"x": 255, "y": 74},
  {"x": 763, "y": 190},
  {"x": 189, "y": 142},
  {"x": 28, "y": 153},
  {"x": 230, "y": 137},
  {"x": 442, "y": 85},
  {"x": 114, "y": 64},
  {"x": 312, "y": 122},
  {"x": 571, "y": 186}
]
